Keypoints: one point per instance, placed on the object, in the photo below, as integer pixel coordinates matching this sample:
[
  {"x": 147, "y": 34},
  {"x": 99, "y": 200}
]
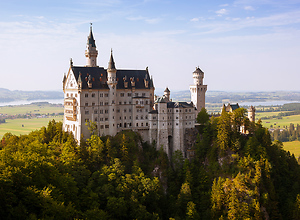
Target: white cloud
[
  {"x": 195, "y": 19},
  {"x": 272, "y": 21},
  {"x": 147, "y": 20},
  {"x": 224, "y": 5},
  {"x": 138, "y": 18},
  {"x": 152, "y": 20},
  {"x": 249, "y": 8},
  {"x": 222, "y": 11}
]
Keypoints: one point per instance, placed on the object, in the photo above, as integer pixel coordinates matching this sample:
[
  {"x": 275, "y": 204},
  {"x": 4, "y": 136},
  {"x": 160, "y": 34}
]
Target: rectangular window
[
  {"x": 106, "y": 119},
  {"x": 122, "y": 94},
  {"x": 86, "y": 112},
  {"x": 106, "y": 103},
  {"x": 93, "y": 104},
  {"x": 96, "y": 119},
  {"x": 86, "y": 95},
  {"x": 96, "y": 111},
  {"x": 106, "y": 95},
  {"x": 101, "y": 103},
  {"x": 101, "y": 126},
  {"x": 93, "y": 95},
  {"x": 101, "y": 94},
  {"x": 144, "y": 94},
  {"x": 106, "y": 126},
  {"x": 101, "y": 111},
  {"x": 124, "y": 110},
  {"x": 101, "y": 119},
  {"x": 106, "y": 111},
  {"x": 136, "y": 94},
  {"x": 86, "y": 104},
  {"x": 86, "y": 120},
  {"x": 128, "y": 94},
  {"x": 124, "y": 103}
]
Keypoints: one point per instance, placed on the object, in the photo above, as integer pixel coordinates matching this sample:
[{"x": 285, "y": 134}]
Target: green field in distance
[{"x": 19, "y": 126}]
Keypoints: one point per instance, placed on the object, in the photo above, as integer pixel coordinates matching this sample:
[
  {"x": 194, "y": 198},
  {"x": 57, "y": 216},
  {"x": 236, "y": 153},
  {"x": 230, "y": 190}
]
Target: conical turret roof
[
  {"x": 91, "y": 39},
  {"x": 111, "y": 63}
]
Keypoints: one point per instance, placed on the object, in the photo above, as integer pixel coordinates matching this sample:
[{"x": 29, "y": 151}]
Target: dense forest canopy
[{"x": 47, "y": 175}]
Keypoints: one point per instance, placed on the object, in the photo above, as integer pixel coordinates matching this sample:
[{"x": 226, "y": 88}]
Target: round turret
[
  {"x": 167, "y": 93},
  {"x": 198, "y": 76},
  {"x": 251, "y": 114},
  {"x": 91, "y": 52}
]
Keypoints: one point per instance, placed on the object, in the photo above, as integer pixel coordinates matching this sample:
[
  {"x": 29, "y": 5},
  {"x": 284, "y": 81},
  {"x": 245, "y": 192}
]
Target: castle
[{"x": 119, "y": 99}]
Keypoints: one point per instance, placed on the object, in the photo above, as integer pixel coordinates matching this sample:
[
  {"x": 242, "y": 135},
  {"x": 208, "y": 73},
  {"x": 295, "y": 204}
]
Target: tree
[
  {"x": 224, "y": 131},
  {"x": 203, "y": 117}
]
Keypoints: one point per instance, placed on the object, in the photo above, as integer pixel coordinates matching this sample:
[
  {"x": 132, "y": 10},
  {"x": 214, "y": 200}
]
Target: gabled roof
[
  {"x": 231, "y": 107},
  {"x": 98, "y": 78},
  {"x": 179, "y": 105},
  {"x": 97, "y": 75}
]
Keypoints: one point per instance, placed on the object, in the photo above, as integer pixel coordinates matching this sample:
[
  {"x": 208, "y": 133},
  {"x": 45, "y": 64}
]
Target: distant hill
[
  {"x": 7, "y": 95},
  {"x": 233, "y": 97}
]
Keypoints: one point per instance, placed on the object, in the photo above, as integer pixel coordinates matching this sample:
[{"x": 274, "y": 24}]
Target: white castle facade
[{"x": 118, "y": 99}]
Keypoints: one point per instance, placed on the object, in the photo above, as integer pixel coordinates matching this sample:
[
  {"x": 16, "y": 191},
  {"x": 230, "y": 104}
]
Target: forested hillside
[{"x": 46, "y": 175}]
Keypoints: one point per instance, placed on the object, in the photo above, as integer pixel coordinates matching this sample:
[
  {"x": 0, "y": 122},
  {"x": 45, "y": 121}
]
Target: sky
[{"x": 240, "y": 45}]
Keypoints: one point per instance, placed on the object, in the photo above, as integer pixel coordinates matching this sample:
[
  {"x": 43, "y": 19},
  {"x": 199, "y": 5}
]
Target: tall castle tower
[
  {"x": 91, "y": 52},
  {"x": 198, "y": 90},
  {"x": 251, "y": 114},
  {"x": 112, "y": 84}
]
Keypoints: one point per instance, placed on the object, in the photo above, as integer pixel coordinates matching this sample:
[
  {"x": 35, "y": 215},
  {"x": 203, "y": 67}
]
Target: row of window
[
  {"x": 71, "y": 95},
  {"x": 122, "y": 94},
  {"x": 171, "y": 124},
  {"x": 186, "y": 110},
  {"x": 120, "y": 103},
  {"x": 118, "y": 125}
]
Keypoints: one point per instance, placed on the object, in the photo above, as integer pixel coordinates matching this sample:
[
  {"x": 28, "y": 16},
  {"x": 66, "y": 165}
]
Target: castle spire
[
  {"x": 91, "y": 52},
  {"x": 111, "y": 63},
  {"x": 91, "y": 40}
]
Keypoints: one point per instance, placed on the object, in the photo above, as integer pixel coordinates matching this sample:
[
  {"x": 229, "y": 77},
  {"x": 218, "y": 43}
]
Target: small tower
[
  {"x": 251, "y": 114},
  {"x": 198, "y": 90},
  {"x": 111, "y": 71},
  {"x": 91, "y": 52},
  {"x": 112, "y": 84},
  {"x": 167, "y": 94}
]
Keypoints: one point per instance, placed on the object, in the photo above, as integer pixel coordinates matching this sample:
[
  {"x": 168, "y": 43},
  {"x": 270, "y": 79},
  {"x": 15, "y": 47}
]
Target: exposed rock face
[{"x": 190, "y": 138}]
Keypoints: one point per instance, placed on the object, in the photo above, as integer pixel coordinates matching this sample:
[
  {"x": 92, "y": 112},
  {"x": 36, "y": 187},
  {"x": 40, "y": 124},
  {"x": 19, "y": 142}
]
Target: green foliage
[
  {"x": 47, "y": 175},
  {"x": 202, "y": 117}
]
